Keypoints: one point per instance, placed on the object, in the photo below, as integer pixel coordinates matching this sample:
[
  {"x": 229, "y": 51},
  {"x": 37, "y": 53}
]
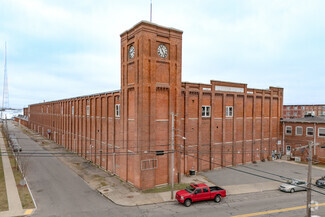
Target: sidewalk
[
  {"x": 124, "y": 194},
  {"x": 14, "y": 203}
]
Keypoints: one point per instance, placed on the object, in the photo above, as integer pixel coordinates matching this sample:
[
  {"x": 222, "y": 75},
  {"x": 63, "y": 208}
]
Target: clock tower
[{"x": 151, "y": 63}]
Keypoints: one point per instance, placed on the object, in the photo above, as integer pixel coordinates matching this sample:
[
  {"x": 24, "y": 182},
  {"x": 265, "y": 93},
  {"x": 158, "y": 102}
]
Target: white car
[{"x": 293, "y": 185}]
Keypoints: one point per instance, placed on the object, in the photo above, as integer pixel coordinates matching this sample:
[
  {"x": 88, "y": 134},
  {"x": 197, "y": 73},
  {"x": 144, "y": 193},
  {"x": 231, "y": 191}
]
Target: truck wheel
[
  {"x": 217, "y": 198},
  {"x": 187, "y": 202},
  {"x": 292, "y": 190}
]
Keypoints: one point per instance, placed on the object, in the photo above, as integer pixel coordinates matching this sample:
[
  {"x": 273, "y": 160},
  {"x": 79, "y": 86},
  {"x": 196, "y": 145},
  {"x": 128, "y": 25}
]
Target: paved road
[{"x": 58, "y": 191}]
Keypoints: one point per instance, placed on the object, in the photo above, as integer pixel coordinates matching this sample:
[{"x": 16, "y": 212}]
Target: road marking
[
  {"x": 278, "y": 210},
  {"x": 28, "y": 212}
]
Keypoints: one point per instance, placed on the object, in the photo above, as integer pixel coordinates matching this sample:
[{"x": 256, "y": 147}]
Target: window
[
  {"x": 42, "y": 109},
  {"x": 288, "y": 113},
  {"x": 229, "y": 111},
  {"x": 149, "y": 164},
  {"x": 295, "y": 108},
  {"x": 303, "y": 107},
  {"x": 205, "y": 190},
  {"x": 72, "y": 110},
  {"x": 61, "y": 110},
  {"x": 309, "y": 131},
  {"x": 117, "y": 110},
  {"x": 198, "y": 191},
  {"x": 87, "y": 110},
  {"x": 206, "y": 111},
  {"x": 321, "y": 132},
  {"x": 288, "y": 107},
  {"x": 299, "y": 131},
  {"x": 295, "y": 114},
  {"x": 323, "y": 107},
  {"x": 288, "y": 130}
]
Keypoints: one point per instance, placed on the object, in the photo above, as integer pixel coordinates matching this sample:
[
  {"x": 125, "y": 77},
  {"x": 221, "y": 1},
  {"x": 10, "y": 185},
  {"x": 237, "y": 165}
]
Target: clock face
[
  {"x": 131, "y": 51},
  {"x": 162, "y": 51}
]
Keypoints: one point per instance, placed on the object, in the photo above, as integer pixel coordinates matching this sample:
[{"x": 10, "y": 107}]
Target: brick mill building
[
  {"x": 298, "y": 132},
  {"x": 122, "y": 131},
  {"x": 299, "y": 111}
]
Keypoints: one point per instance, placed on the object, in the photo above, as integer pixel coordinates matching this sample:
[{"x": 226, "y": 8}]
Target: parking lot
[{"x": 260, "y": 176}]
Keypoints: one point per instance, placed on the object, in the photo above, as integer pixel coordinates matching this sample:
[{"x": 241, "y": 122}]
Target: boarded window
[
  {"x": 149, "y": 164},
  {"x": 299, "y": 131},
  {"x": 88, "y": 110}
]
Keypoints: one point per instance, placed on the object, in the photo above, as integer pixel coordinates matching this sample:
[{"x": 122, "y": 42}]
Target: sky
[{"x": 67, "y": 48}]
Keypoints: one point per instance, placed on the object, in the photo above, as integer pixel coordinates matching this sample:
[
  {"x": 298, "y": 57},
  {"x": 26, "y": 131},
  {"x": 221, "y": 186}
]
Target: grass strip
[
  {"x": 25, "y": 197},
  {"x": 165, "y": 188},
  {"x": 3, "y": 191}
]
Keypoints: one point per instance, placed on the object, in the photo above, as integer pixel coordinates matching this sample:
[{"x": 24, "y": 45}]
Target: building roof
[
  {"x": 151, "y": 24},
  {"x": 309, "y": 119}
]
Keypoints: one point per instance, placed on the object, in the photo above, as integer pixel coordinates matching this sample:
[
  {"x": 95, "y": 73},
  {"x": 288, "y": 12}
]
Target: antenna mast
[
  {"x": 150, "y": 10},
  {"x": 5, "y": 98}
]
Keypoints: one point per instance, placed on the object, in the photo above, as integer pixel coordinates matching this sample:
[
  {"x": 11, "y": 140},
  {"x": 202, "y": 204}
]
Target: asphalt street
[{"x": 58, "y": 191}]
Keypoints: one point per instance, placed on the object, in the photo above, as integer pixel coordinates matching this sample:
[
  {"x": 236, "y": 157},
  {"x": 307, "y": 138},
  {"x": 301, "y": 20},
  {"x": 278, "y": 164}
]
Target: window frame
[
  {"x": 307, "y": 131},
  {"x": 321, "y": 128},
  {"x": 229, "y": 109},
  {"x": 206, "y": 111},
  {"x": 117, "y": 111},
  {"x": 87, "y": 110},
  {"x": 286, "y": 130},
  {"x": 302, "y": 131}
]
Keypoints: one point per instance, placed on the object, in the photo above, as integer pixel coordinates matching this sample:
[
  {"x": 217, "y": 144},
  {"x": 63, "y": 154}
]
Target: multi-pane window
[
  {"x": 229, "y": 111},
  {"x": 321, "y": 132},
  {"x": 303, "y": 107},
  {"x": 288, "y": 130},
  {"x": 206, "y": 111},
  {"x": 309, "y": 131},
  {"x": 299, "y": 131},
  {"x": 72, "y": 110},
  {"x": 117, "y": 110}
]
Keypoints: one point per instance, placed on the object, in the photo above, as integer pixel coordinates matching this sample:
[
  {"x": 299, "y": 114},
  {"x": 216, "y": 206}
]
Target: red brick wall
[
  {"x": 296, "y": 141},
  {"x": 151, "y": 89}
]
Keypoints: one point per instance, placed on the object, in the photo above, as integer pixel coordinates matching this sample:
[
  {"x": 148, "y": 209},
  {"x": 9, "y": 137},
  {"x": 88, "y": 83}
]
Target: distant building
[
  {"x": 298, "y": 132},
  {"x": 128, "y": 132},
  {"x": 299, "y": 111}
]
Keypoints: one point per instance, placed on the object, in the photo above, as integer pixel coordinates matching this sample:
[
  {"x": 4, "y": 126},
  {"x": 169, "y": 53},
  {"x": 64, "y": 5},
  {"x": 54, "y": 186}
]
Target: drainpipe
[
  {"x": 314, "y": 139},
  {"x": 283, "y": 137}
]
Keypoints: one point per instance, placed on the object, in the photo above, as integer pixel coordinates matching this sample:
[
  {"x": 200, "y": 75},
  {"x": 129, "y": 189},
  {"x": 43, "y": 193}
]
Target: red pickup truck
[{"x": 199, "y": 192}]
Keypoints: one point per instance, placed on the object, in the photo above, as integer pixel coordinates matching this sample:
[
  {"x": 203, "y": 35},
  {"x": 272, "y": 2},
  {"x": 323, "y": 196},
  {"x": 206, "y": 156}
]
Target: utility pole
[
  {"x": 310, "y": 158},
  {"x": 172, "y": 159}
]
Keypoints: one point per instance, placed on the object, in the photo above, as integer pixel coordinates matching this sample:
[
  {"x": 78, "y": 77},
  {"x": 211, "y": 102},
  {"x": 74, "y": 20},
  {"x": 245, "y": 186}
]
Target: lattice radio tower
[{"x": 5, "y": 98}]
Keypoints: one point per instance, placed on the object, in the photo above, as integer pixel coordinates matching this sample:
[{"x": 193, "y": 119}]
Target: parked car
[
  {"x": 321, "y": 182},
  {"x": 200, "y": 192},
  {"x": 293, "y": 185}
]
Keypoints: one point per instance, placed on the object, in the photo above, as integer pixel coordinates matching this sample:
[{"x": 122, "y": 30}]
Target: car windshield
[
  {"x": 189, "y": 189},
  {"x": 291, "y": 181}
]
